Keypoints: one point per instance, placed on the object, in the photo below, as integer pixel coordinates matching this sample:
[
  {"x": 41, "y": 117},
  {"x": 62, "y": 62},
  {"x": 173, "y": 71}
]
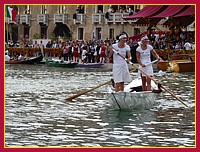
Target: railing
[
  {"x": 80, "y": 19},
  {"x": 60, "y": 18},
  {"x": 25, "y": 19},
  {"x": 117, "y": 18},
  {"x": 97, "y": 18},
  {"x": 43, "y": 18}
]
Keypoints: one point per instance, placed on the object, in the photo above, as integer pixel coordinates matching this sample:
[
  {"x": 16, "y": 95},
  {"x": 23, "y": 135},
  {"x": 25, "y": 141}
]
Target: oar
[
  {"x": 150, "y": 77},
  {"x": 79, "y": 94},
  {"x": 145, "y": 65}
]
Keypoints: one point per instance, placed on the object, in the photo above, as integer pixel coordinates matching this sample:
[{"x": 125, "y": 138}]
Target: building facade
[{"x": 71, "y": 22}]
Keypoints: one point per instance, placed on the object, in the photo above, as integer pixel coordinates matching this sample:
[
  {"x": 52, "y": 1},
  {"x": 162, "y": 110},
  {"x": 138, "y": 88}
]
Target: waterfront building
[{"x": 71, "y": 22}]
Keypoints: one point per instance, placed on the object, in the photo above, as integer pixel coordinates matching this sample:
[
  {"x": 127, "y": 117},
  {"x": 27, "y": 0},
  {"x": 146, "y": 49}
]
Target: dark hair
[
  {"x": 117, "y": 37},
  {"x": 125, "y": 34}
]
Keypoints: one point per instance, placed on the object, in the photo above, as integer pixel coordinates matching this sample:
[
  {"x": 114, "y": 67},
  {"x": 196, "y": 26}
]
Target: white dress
[
  {"x": 145, "y": 57},
  {"x": 120, "y": 67}
]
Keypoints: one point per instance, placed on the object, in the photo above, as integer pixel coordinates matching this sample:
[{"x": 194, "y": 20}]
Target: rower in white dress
[
  {"x": 120, "y": 68},
  {"x": 143, "y": 54}
]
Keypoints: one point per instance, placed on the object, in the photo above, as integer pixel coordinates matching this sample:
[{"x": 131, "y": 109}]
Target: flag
[{"x": 11, "y": 13}]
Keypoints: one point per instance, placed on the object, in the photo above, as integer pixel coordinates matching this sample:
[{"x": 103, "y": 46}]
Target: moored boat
[
  {"x": 31, "y": 60},
  {"x": 177, "y": 66},
  {"x": 182, "y": 67},
  {"x": 59, "y": 63},
  {"x": 89, "y": 65},
  {"x": 132, "y": 97}
]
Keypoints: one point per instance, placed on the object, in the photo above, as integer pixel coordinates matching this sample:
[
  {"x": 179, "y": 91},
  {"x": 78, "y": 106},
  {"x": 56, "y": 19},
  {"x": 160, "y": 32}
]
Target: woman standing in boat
[
  {"x": 120, "y": 68},
  {"x": 143, "y": 54}
]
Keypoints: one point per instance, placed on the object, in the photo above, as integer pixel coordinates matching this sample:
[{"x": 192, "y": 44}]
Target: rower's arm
[{"x": 155, "y": 55}]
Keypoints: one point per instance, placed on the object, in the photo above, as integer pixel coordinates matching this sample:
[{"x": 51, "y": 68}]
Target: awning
[
  {"x": 189, "y": 11},
  {"x": 184, "y": 18},
  {"x": 145, "y": 12},
  {"x": 170, "y": 11}
]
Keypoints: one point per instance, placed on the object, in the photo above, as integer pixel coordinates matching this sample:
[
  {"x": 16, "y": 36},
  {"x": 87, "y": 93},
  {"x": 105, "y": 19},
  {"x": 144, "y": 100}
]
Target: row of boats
[
  {"x": 175, "y": 65},
  {"x": 132, "y": 96},
  {"x": 55, "y": 63}
]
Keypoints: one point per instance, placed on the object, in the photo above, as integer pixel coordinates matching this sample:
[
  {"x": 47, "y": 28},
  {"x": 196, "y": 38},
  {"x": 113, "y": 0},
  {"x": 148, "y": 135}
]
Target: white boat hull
[{"x": 131, "y": 100}]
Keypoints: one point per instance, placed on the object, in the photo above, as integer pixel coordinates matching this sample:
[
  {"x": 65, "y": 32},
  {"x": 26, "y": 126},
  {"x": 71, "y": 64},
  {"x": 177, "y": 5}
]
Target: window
[
  {"x": 61, "y": 9},
  {"x": 111, "y": 33},
  {"x": 99, "y": 9},
  {"x": 43, "y": 9},
  {"x": 27, "y": 9},
  {"x": 98, "y": 33},
  {"x": 80, "y": 9},
  {"x": 136, "y": 31},
  {"x": 80, "y": 33},
  {"x": 137, "y": 8},
  {"x": 43, "y": 32},
  {"x": 26, "y": 31}
]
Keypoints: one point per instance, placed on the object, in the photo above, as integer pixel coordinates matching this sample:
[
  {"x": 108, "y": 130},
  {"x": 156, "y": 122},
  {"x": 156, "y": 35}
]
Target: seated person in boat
[
  {"x": 20, "y": 57},
  {"x": 120, "y": 68},
  {"x": 143, "y": 54},
  {"x": 7, "y": 57}
]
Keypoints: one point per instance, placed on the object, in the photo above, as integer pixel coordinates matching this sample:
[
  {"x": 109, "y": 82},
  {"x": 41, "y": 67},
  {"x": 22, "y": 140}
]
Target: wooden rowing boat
[
  {"x": 132, "y": 97},
  {"x": 182, "y": 66},
  {"x": 31, "y": 60},
  {"x": 177, "y": 66}
]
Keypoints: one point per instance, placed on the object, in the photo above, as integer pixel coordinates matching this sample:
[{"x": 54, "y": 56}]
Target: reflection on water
[{"x": 37, "y": 114}]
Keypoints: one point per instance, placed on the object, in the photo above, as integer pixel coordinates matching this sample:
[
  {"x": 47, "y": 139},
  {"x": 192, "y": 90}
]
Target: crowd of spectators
[{"x": 97, "y": 50}]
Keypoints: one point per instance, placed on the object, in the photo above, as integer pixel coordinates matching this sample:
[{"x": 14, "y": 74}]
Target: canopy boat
[
  {"x": 89, "y": 65},
  {"x": 31, "y": 60},
  {"x": 60, "y": 63},
  {"x": 132, "y": 97}
]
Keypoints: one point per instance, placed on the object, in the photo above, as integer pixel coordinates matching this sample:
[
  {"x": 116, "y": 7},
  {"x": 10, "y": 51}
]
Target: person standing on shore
[
  {"x": 120, "y": 68},
  {"x": 143, "y": 53}
]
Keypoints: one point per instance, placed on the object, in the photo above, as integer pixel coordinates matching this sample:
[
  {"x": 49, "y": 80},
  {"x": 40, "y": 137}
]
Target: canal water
[{"x": 36, "y": 113}]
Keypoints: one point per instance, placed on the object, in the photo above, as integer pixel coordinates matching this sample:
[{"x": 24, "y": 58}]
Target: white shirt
[
  {"x": 187, "y": 46},
  {"x": 145, "y": 54},
  {"x": 116, "y": 58}
]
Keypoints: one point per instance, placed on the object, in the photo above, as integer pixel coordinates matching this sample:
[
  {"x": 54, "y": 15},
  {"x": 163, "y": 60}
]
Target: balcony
[
  {"x": 80, "y": 19},
  {"x": 43, "y": 19},
  {"x": 117, "y": 18},
  {"x": 97, "y": 18},
  {"x": 25, "y": 19},
  {"x": 60, "y": 18}
]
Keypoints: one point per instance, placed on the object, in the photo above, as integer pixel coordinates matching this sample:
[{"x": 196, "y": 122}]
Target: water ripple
[{"x": 36, "y": 113}]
